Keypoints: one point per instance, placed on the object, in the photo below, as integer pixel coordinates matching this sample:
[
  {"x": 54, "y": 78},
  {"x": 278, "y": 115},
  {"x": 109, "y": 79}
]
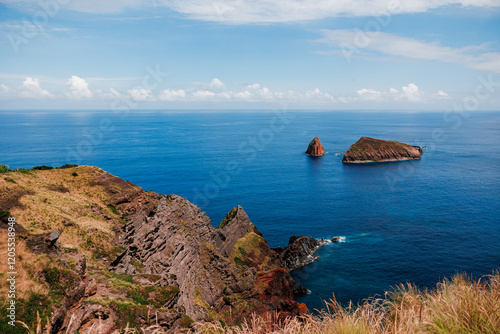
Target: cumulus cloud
[
  {"x": 367, "y": 94},
  {"x": 203, "y": 94},
  {"x": 110, "y": 94},
  {"x": 217, "y": 84},
  {"x": 357, "y": 43},
  {"x": 141, "y": 94},
  {"x": 411, "y": 93},
  {"x": 31, "y": 89},
  {"x": 172, "y": 95},
  {"x": 78, "y": 88}
]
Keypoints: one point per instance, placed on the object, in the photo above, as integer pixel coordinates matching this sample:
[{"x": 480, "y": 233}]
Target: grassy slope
[
  {"x": 74, "y": 201},
  {"x": 459, "y": 305}
]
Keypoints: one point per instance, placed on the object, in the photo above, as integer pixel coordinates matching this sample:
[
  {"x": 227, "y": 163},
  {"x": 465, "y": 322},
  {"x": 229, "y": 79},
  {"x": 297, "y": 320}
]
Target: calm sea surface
[{"x": 415, "y": 221}]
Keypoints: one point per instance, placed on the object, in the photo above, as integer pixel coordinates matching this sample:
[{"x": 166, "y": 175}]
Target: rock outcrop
[
  {"x": 315, "y": 148},
  {"x": 176, "y": 241},
  {"x": 299, "y": 252},
  {"x": 375, "y": 150}
]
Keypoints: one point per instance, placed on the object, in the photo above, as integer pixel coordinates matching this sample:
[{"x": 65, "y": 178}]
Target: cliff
[
  {"x": 315, "y": 148},
  {"x": 96, "y": 252},
  {"x": 375, "y": 150}
]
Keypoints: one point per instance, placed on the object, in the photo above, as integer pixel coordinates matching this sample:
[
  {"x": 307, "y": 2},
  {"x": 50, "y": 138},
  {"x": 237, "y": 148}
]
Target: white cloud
[
  {"x": 31, "y": 89},
  {"x": 357, "y": 43},
  {"x": 172, "y": 95},
  {"x": 203, "y": 94},
  {"x": 141, "y": 94},
  {"x": 111, "y": 94},
  {"x": 78, "y": 88},
  {"x": 216, "y": 84},
  {"x": 440, "y": 95},
  {"x": 4, "y": 89},
  {"x": 369, "y": 94},
  {"x": 412, "y": 93},
  {"x": 267, "y": 11},
  {"x": 318, "y": 95},
  {"x": 253, "y": 86}
]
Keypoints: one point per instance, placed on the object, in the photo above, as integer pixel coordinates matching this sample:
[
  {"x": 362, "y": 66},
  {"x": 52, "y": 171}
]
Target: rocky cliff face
[
  {"x": 130, "y": 258},
  {"x": 210, "y": 266},
  {"x": 375, "y": 150},
  {"x": 315, "y": 148}
]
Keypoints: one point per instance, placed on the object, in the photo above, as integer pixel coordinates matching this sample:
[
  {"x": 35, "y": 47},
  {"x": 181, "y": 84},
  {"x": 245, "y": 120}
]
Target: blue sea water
[{"x": 414, "y": 221}]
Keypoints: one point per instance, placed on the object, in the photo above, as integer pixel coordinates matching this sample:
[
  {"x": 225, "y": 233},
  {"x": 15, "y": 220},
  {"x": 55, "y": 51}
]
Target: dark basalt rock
[
  {"x": 375, "y": 150},
  {"x": 299, "y": 252}
]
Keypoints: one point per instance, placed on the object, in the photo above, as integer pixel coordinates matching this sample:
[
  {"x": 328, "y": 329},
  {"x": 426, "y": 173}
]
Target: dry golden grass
[
  {"x": 456, "y": 306},
  {"x": 49, "y": 199},
  {"x": 26, "y": 264}
]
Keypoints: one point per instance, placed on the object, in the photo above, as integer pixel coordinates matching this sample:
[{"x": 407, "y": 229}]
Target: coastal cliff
[
  {"x": 375, "y": 150},
  {"x": 315, "y": 148},
  {"x": 105, "y": 254}
]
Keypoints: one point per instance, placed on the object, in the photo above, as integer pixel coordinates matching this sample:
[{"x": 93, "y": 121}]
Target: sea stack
[
  {"x": 375, "y": 150},
  {"x": 315, "y": 148}
]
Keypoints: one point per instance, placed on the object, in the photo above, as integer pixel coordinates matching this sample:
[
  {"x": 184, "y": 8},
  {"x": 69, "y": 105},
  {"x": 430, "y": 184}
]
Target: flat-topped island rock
[{"x": 368, "y": 149}]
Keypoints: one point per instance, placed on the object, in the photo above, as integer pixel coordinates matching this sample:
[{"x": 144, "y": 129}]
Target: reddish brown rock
[
  {"x": 375, "y": 150},
  {"x": 275, "y": 288},
  {"x": 315, "y": 148}
]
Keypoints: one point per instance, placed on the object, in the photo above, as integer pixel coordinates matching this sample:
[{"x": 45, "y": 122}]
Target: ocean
[{"x": 413, "y": 221}]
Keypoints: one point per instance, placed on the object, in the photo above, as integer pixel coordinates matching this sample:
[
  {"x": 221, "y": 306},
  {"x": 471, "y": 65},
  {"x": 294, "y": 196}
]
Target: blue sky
[{"x": 242, "y": 54}]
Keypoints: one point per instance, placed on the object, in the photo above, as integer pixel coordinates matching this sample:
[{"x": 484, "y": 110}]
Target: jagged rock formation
[
  {"x": 375, "y": 150},
  {"x": 299, "y": 252},
  {"x": 209, "y": 265},
  {"x": 315, "y": 148}
]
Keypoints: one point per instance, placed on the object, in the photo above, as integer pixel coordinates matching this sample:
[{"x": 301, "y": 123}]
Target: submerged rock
[
  {"x": 315, "y": 148},
  {"x": 375, "y": 150}
]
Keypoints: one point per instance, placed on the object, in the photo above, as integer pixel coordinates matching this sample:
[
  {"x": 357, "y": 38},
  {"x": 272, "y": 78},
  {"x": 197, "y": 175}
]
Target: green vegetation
[
  {"x": 26, "y": 311},
  {"x": 60, "y": 280},
  {"x": 4, "y": 215},
  {"x": 43, "y": 167},
  {"x": 74, "y": 174},
  {"x": 228, "y": 218},
  {"x": 8, "y": 179},
  {"x": 186, "y": 321},
  {"x": 68, "y": 166},
  {"x": 4, "y": 168},
  {"x": 129, "y": 313},
  {"x": 113, "y": 209}
]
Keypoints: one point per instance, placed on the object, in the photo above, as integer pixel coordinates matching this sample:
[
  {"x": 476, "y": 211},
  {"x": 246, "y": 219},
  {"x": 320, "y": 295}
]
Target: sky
[{"x": 250, "y": 54}]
